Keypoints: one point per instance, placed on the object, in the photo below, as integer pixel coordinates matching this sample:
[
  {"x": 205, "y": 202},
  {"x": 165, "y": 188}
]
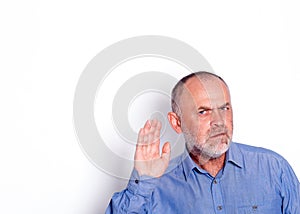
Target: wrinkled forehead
[{"x": 210, "y": 91}]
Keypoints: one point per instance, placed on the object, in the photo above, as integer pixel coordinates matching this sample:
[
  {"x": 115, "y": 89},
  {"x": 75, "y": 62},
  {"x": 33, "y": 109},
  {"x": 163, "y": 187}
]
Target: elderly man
[{"x": 213, "y": 175}]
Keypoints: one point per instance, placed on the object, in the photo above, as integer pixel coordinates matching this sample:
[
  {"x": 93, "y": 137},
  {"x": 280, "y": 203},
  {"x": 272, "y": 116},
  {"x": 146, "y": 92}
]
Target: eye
[
  {"x": 225, "y": 108},
  {"x": 202, "y": 112}
]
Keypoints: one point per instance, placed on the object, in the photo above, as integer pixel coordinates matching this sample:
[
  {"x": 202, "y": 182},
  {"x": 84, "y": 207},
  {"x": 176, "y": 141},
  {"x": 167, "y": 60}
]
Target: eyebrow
[
  {"x": 209, "y": 108},
  {"x": 226, "y": 104}
]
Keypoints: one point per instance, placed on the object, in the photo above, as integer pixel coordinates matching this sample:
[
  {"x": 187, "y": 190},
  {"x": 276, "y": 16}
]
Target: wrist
[{"x": 141, "y": 184}]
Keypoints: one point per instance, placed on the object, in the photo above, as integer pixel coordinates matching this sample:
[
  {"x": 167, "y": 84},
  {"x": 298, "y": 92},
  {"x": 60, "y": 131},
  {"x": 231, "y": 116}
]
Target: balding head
[{"x": 201, "y": 76}]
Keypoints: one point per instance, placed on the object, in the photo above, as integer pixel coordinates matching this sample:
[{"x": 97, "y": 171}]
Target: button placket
[{"x": 217, "y": 195}]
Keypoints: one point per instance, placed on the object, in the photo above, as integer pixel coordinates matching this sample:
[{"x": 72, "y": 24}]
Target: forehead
[{"x": 208, "y": 92}]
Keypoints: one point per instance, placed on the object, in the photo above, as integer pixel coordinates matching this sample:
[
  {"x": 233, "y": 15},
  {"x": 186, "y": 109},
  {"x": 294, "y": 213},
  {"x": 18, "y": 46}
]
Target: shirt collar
[
  {"x": 188, "y": 164},
  {"x": 233, "y": 156}
]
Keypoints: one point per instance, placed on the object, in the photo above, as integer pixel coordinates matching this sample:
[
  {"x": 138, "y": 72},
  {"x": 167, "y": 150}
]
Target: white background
[{"x": 45, "y": 45}]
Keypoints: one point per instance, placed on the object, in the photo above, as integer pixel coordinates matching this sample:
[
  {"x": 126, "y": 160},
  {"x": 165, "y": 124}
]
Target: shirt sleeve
[
  {"x": 290, "y": 190},
  {"x": 136, "y": 198}
]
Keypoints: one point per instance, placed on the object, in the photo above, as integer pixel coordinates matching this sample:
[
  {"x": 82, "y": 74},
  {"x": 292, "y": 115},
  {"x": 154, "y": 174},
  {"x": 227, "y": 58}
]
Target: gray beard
[{"x": 205, "y": 151}]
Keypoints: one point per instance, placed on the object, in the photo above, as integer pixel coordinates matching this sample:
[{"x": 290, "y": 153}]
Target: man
[{"x": 213, "y": 175}]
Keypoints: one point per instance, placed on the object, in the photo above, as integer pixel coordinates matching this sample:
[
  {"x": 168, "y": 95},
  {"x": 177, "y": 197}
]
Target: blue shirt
[{"x": 253, "y": 180}]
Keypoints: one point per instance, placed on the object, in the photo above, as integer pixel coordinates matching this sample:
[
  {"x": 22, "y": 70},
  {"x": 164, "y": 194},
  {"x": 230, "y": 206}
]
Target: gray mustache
[{"x": 218, "y": 132}]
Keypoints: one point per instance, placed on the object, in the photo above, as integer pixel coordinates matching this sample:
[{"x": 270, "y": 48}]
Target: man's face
[{"x": 206, "y": 117}]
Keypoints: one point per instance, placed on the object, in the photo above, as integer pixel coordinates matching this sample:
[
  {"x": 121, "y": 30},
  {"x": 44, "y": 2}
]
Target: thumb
[{"x": 166, "y": 151}]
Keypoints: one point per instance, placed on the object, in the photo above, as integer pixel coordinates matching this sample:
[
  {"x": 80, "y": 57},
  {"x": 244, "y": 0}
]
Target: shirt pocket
[{"x": 271, "y": 206}]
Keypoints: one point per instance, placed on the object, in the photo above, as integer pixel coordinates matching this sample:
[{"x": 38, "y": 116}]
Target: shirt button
[
  {"x": 136, "y": 181},
  {"x": 215, "y": 181},
  {"x": 220, "y": 207}
]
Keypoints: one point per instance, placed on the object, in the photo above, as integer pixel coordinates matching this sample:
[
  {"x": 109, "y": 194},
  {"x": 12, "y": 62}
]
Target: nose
[{"x": 217, "y": 118}]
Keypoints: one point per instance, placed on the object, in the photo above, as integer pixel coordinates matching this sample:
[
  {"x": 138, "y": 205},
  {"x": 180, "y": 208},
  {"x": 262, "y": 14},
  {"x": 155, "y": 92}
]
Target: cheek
[
  {"x": 190, "y": 121},
  {"x": 204, "y": 128},
  {"x": 195, "y": 126},
  {"x": 199, "y": 126},
  {"x": 229, "y": 121}
]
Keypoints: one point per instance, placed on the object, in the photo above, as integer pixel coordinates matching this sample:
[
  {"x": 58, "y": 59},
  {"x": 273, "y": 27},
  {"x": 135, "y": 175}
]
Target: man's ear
[{"x": 174, "y": 121}]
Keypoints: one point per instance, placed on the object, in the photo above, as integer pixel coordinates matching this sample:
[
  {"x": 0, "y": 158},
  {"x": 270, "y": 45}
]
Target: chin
[
  {"x": 222, "y": 147},
  {"x": 216, "y": 155}
]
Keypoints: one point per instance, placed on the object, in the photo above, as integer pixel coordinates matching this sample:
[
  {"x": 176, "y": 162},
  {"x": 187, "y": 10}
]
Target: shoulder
[
  {"x": 258, "y": 155},
  {"x": 253, "y": 150}
]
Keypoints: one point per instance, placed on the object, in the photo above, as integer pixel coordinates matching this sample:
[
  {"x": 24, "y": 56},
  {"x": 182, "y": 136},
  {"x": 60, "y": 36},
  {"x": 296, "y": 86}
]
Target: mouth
[{"x": 218, "y": 135}]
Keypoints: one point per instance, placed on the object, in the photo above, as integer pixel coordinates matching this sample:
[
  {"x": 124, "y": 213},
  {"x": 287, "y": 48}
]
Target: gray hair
[{"x": 178, "y": 88}]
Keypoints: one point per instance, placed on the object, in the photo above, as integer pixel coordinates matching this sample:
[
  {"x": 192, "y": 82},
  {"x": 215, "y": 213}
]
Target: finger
[
  {"x": 153, "y": 138},
  {"x": 151, "y": 131},
  {"x": 140, "y": 139},
  {"x": 152, "y": 125},
  {"x": 147, "y": 125},
  {"x": 139, "y": 145},
  {"x": 156, "y": 139},
  {"x": 166, "y": 152},
  {"x": 156, "y": 133},
  {"x": 150, "y": 140}
]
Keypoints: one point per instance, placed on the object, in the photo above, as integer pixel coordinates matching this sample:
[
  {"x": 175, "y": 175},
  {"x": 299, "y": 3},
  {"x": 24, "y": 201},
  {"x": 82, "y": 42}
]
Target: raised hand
[{"x": 147, "y": 159}]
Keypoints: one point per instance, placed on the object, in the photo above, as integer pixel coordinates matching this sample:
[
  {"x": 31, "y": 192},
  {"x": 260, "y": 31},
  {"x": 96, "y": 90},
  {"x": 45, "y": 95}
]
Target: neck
[{"x": 211, "y": 165}]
